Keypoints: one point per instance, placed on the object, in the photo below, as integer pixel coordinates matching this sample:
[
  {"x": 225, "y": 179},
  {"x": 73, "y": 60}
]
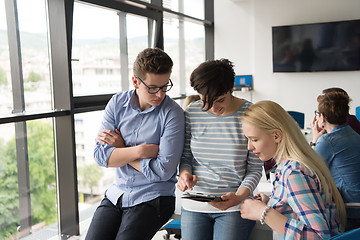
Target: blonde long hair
[{"x": 270, "y": 116}]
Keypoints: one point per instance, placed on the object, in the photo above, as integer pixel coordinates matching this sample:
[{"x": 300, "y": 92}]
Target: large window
[
  {"x": 35, "y": 55},
  {"x": 137, "y": 38},
  {"x": 96, "y": 51},
  {"x": 60, "y": 63},
  {"x": 38, "y": 195},
  {"x": 185, "y": 42},
  {"x": 27, "y": 159},
  {"x": 6, "y": 103},
  {"x": 92, "y": 180},
  {"x": 194, "y": 8}
]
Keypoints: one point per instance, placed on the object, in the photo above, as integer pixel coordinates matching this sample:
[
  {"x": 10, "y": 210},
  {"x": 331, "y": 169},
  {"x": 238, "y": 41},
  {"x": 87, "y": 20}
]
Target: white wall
[{"x": 243, "y": 35}]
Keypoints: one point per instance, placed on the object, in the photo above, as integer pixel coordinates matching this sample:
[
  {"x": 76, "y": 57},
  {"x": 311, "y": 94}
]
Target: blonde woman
[{"x": 305, "y": 203}]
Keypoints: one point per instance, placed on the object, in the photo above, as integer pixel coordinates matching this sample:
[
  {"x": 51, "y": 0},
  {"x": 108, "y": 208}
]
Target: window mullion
[
  {"x": 123, "y": 52},
  {"x": 19, "y": 107},
  {"x": 65, "y": 155}
]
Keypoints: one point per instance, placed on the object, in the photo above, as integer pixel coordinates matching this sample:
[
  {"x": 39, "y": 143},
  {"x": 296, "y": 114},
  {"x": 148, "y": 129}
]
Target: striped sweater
[{"x": 216, "y": 151}]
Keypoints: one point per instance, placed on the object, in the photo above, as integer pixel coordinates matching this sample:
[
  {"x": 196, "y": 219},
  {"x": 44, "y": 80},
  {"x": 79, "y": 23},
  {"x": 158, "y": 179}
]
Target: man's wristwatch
[{"x": 312, "y": 144}]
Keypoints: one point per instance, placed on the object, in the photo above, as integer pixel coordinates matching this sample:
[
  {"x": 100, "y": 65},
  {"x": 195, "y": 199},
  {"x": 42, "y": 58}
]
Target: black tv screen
[{"x": 331, "y": 46}]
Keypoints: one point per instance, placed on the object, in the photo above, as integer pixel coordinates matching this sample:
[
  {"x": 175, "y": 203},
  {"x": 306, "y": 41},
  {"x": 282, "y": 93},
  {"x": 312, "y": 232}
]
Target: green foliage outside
[
  {"x": 31, "y": 83},
  {"x": 3, "y": 78},
  {"x": 42, "y": 179},
  {"x": 42, "y": 172},
  {"x": 34, "y": 77},
  {"x": 89, "y": 175},
  {"x": 9, "y": 209}
]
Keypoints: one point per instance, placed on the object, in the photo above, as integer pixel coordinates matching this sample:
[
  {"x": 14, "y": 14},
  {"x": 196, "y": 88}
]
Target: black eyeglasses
[
  {"x": 317, "y": 113},
  {"x": 153, "y": 90}
]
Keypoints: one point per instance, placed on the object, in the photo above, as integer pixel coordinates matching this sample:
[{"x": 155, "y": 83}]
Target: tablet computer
[{"x": 201, "y": 197}]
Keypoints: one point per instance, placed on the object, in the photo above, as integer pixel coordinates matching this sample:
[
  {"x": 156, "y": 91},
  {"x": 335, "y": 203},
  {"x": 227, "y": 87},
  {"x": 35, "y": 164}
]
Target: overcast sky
[{"x": 89, "y": 22}]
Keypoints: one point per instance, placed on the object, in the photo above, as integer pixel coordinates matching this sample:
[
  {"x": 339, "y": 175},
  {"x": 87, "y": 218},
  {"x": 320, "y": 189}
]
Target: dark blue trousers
[{"x": 139, "y": 222}]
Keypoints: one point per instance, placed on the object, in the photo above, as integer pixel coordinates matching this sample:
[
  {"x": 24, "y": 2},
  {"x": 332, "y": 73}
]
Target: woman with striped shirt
[
  {"x": 215, "y": 159},
  {"x": 305, "y": 203}
]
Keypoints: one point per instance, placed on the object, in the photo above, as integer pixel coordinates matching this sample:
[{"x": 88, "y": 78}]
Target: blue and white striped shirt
[{"x": 216, "y": 151}]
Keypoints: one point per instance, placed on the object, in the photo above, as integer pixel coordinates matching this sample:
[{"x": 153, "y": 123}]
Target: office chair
[
  {"x": 299, "y": 118},
  {"x": 173, "y": 226},
  {"x": 353, "y": 234}
]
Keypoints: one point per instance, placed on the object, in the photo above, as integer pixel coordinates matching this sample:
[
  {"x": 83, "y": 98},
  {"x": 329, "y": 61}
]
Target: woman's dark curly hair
[{"x": 213, "y": 79}]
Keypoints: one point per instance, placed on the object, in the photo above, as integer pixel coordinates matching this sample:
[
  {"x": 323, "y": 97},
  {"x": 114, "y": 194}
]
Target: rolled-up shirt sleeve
[
  {"x": 102, "y": 152},
  {"x": 170, "y": 149}
]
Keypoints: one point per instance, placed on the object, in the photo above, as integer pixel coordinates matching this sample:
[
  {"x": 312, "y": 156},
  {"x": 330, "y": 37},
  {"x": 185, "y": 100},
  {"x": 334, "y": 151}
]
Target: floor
[{"x": 158, "y": 236}]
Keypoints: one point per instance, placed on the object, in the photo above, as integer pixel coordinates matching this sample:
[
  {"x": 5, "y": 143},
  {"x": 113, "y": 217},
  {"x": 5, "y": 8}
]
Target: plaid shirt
[{"x": 296, "y": 194}]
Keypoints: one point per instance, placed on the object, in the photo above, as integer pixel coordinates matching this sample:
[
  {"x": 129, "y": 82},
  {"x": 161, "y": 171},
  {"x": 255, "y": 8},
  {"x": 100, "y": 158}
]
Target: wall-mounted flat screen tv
[{"x": 330, "y": 46}]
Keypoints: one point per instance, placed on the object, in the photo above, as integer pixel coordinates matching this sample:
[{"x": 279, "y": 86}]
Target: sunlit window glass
[
  {"x": 194, "y": 50},
  {"x": 35, "y": 55},
  {"x": 6, "y": 102},
  {"x": 137, "y": 34},
  {"x": 172, "y": 47},
  {"x": 194, "y": 8},
  {"x": 39, "y": 190},
  {"x": 184, "y": 41},
  {"x": 9, "y": 197},
  {"x": 40, "y": 141},
  {"x": 95, "y": 51},
  {"x": 93, "y": 180}
]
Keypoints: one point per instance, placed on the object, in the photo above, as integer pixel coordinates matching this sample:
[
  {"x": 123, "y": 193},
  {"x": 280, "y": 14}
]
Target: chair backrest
[
  {"x": 299, "y": 118},
  {"x": 353, "y": 234},
  {"x": 357, "y": 112}
]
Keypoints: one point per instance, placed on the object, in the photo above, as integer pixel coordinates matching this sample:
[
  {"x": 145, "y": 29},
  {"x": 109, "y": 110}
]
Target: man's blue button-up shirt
[
  {"x": 341, "y": 151},
  {"x": 162, "y": 125}
]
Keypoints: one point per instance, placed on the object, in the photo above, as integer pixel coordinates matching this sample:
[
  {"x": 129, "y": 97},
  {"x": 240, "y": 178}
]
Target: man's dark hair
[
  {"x": 334, "y": 106},
  {"x": 213, "y": 79},
  {"x": 152, "y": 60},
  {"x": 336, "y": 89}
]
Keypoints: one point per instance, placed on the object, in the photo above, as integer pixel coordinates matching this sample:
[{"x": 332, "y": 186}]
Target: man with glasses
[{"x": 142, "y": 137}]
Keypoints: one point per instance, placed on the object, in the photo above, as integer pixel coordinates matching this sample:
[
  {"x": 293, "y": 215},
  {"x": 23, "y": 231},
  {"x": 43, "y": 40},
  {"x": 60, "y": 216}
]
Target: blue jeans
[{"x": 216, "y": 226}]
